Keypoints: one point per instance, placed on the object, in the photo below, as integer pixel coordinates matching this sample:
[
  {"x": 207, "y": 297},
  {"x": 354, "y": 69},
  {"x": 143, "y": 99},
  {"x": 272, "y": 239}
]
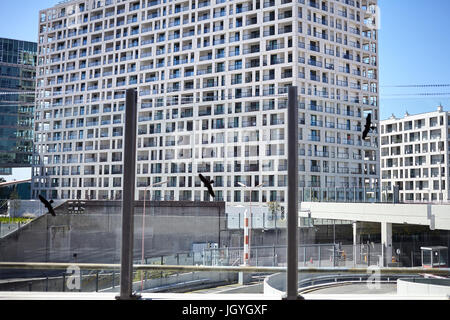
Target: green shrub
[{"x": 14, "y": 220}]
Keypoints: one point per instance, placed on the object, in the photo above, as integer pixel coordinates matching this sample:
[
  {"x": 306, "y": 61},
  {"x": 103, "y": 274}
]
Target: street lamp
[
  {"x": 143, "y": 225},
  {"x": 247, "y": 224},
  {"x": 441, "y": 161}
]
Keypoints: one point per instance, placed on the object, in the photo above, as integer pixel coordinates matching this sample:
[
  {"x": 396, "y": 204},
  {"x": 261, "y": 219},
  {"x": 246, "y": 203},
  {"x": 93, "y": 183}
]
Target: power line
[
  {"x": 416, "y": 86},
  {"x": 425, "y": 98},
  {"x": 418, "y": 94}
]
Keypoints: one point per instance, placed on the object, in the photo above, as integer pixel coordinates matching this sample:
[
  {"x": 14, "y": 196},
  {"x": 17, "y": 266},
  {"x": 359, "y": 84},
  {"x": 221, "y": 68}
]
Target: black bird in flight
[
  {"x": 368, "y": 126},
  {"x": 48, "y": 205},
  {"x": 208, "y": 184}
]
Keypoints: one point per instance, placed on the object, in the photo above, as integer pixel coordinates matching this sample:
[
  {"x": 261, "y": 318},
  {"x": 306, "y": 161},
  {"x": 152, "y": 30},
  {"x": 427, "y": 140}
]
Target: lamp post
[
  {"x": 441, "y": 161},
  {"x": 143, "y": 225},
  {"x": 247, "y": 226}
]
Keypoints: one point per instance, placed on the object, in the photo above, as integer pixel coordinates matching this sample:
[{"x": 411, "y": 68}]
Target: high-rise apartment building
[
  {"x": 212, "y": 78},
  {"x": 17, "y": 87},
  {"x": 415, "y": 156}
]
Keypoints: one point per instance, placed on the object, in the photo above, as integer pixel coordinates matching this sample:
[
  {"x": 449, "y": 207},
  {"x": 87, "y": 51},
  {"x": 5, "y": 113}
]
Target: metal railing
[
  {"x": 100, "y": 277},
  {"x": 190, "y": 268}
]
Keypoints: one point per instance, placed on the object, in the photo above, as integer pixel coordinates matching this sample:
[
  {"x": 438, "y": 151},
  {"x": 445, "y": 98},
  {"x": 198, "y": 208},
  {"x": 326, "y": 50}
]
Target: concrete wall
[
  {"x": 95, "y": 235},
  {"x": 423, "y": 287}
]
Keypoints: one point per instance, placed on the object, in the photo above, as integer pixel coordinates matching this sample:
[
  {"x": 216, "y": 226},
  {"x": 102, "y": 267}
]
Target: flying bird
[
  {"x": 208, "y": 184},
  {"x": 368, "y": 126},
  {"x": 48, "y": 205}
]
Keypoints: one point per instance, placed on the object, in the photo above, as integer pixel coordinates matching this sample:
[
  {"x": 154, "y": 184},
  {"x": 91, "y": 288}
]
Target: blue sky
[{"x": 414, "y": 45}]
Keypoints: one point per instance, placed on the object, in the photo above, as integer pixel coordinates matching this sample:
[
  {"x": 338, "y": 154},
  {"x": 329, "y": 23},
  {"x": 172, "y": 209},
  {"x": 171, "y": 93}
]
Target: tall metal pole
[
  {"x": 143, "y": 234},
  {"x": 143, "y": 228},
  {"x": 441, "y": 160},
  {"x": 129, "y": 174},
  {"x": 292, "y": 210},
  {"x": 250, "y": 226}
]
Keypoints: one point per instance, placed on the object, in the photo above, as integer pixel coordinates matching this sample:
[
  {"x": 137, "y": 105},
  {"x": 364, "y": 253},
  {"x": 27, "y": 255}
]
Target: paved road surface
[
  {"x": 233, "y": 288},
  {"x": 389, "y": 289}
]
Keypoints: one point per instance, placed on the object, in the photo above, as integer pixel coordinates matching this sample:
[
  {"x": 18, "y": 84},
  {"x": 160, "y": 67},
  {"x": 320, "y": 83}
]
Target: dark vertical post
[
  {"x": 274, "y": 255},
  {"x": 292, "y": 209},
  {"x": 81, "y": 280},
  {"x": 334, "y": 255},
  {"x": 129, "y": 173},
  {"x": 396, "y": 194},
  {"x": 304, "y": 256},
  {"x": 319, "y": 255},
  {"x": 218, "y": 230}
]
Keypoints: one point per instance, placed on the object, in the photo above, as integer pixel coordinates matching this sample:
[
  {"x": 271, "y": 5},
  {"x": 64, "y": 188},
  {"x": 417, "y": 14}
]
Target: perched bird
[
  {"x": 208, "y": 184},
  {"x": 48, "y": 205},
  {"x": 368, "y": 126}
]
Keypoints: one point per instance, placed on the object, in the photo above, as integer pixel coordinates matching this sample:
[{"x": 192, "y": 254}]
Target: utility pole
[
  {"x": 292, "y": 192},
  {"x": 129, "y": 182}
]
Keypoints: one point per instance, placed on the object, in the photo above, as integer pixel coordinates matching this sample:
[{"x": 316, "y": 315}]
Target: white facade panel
[
  {"x": 212, "y": 78},
  {"x": 415, "y": 156}
]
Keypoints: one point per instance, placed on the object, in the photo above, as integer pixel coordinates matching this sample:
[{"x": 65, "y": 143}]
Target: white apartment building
[
  {"x": 415, "y": 156},
  {"x": 212, "y": 77}
]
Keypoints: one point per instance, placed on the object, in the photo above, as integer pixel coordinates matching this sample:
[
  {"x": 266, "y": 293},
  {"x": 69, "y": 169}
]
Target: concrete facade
[
  {"x": 95, "y": 236},
  {"x": 212, "y": 78},
  {"x": 415, "y": 156}
]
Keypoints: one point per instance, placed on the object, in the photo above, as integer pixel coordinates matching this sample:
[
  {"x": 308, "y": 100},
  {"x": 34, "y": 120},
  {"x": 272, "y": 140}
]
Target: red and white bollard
[{"x": 246, "y": 239}]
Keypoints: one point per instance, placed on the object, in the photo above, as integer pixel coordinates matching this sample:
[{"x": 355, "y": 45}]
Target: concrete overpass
[
  {"x": 436, "y": 216},
  {"x": 10, "y": 183}
]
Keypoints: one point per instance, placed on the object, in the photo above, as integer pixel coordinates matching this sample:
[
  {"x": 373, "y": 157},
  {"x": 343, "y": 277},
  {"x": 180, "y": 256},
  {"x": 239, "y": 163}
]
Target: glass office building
[{"x": 17, "y": 85}]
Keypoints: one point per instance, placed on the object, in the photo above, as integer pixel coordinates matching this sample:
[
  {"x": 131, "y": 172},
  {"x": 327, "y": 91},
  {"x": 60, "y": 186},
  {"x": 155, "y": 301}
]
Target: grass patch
[
  {"x": 154, "y": 274},
  {"x": 14, "y": 220}
]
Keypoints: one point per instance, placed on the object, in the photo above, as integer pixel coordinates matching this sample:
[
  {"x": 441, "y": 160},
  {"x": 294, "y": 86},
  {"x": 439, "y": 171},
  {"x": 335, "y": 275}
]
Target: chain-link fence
[{"x": 313, "y": 255}]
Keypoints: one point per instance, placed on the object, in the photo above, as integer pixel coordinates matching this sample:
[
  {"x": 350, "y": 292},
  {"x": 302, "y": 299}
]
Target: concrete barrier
[
  {"x": 95, "y": 235},
  {"x": 180, "y": 281},
  {"x": 275, "y": 285},
  {"x": 423, "y": 287}
]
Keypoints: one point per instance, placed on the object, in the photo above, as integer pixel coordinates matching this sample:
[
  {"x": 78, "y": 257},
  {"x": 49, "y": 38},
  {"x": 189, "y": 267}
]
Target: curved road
[{"x": 357, "y": 288}]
